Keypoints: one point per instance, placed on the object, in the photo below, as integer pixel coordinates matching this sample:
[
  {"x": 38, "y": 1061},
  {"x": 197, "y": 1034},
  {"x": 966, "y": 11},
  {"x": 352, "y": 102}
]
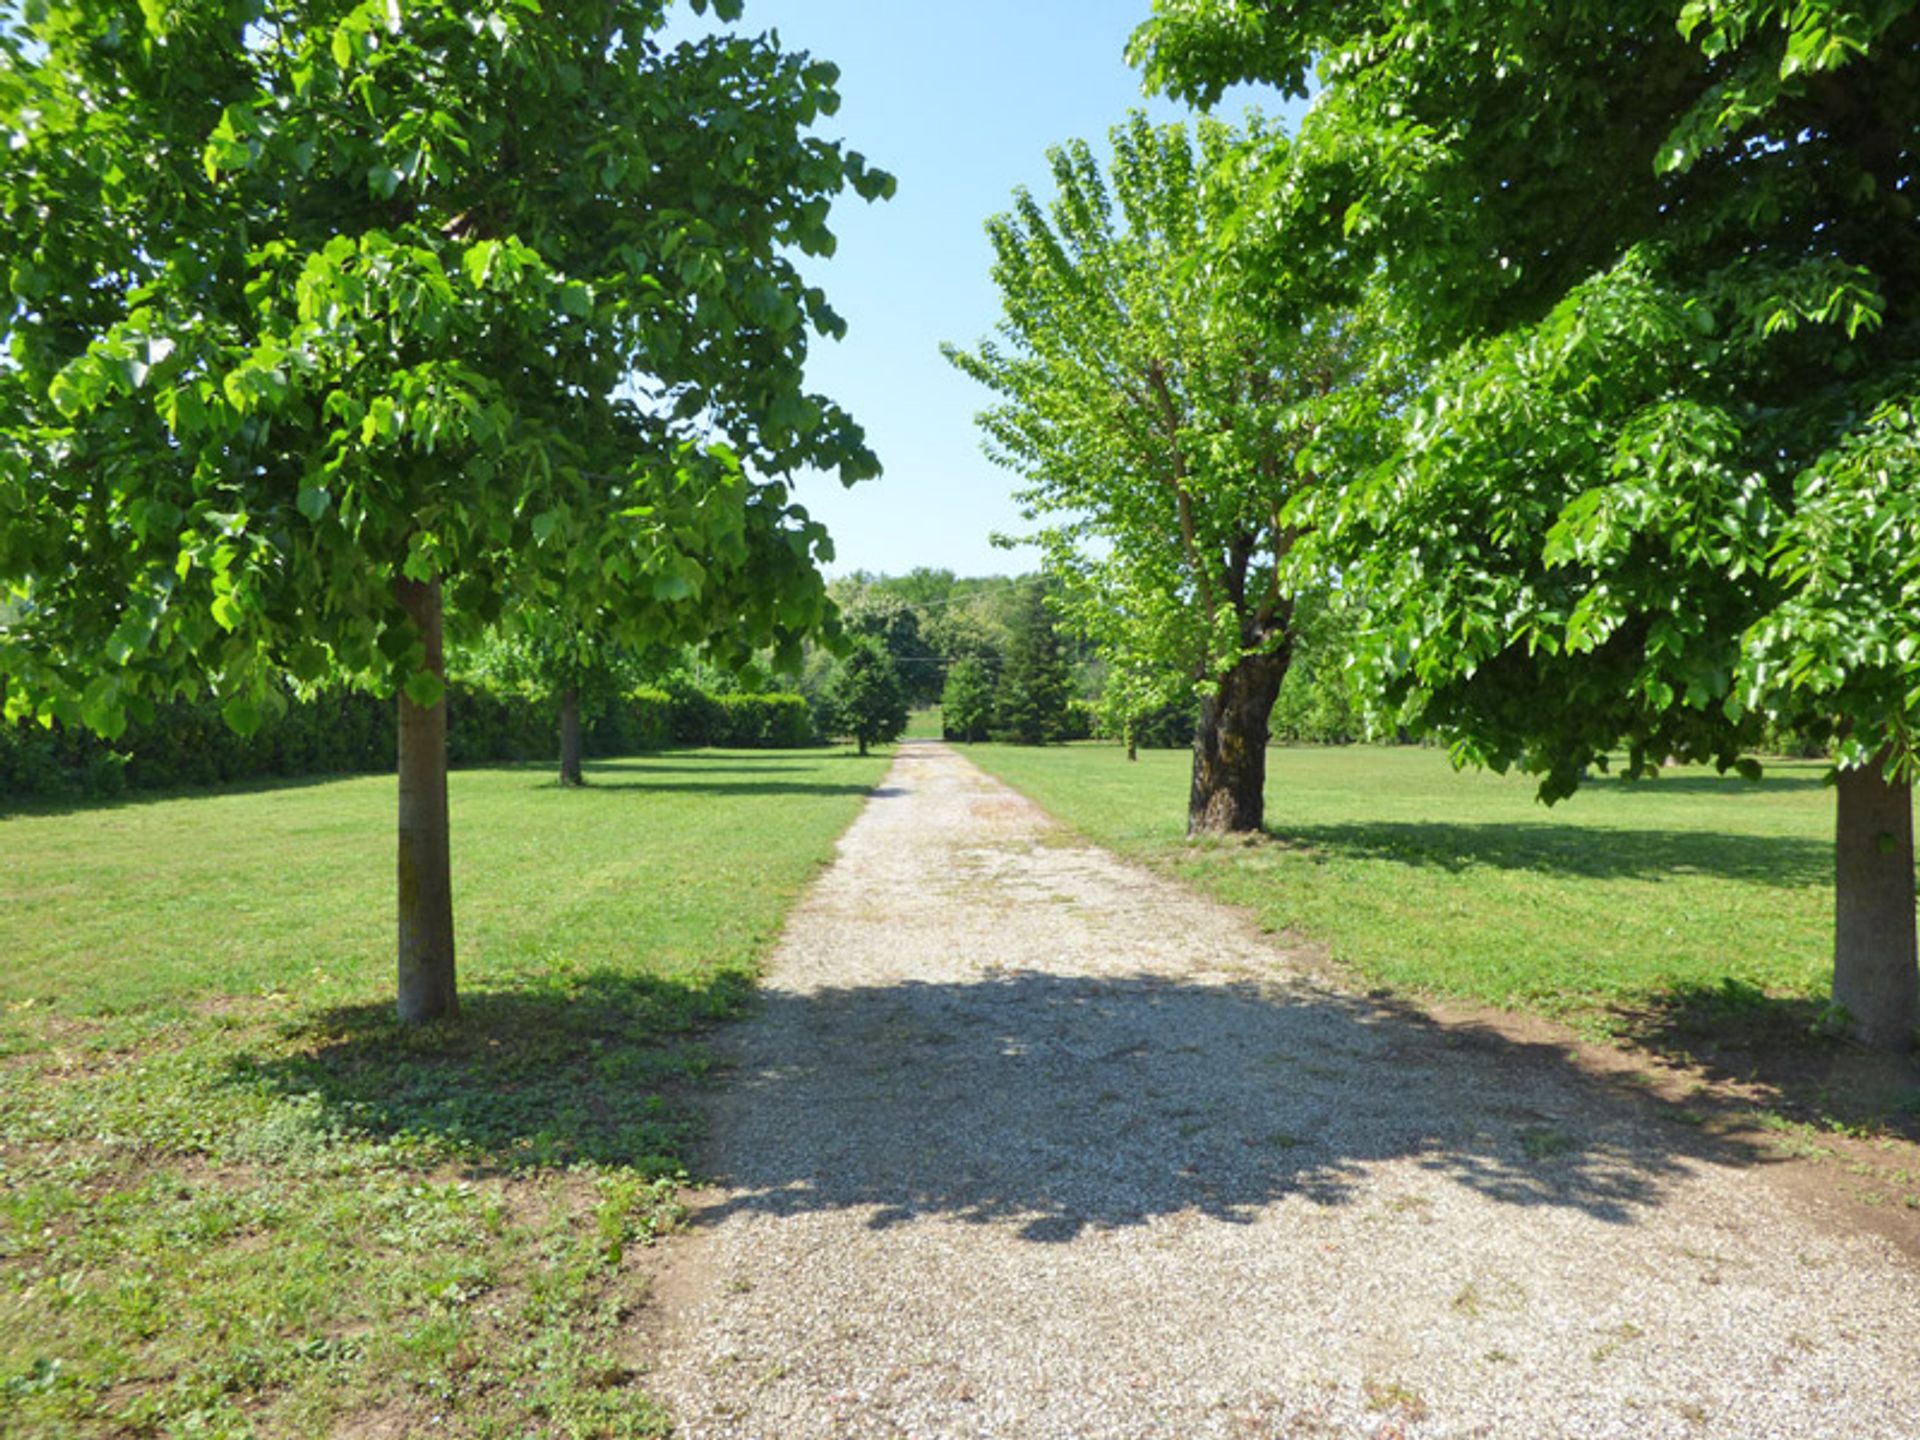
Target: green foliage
[
  {"x": 1656, "y": 494},
  {"x": 864, "y": 697},
  {"x": 1316, "y": 704},
  {"x": 1031, "y": 697},
  {"x": 892, "y": 620},
  {"x": 763, "y": 722},
  {"x": 339, "y": 732},
  {"x": 1155, "y": 422},
  {"x": 967, "y": 702},
  {"x": 308, "y": 302}
]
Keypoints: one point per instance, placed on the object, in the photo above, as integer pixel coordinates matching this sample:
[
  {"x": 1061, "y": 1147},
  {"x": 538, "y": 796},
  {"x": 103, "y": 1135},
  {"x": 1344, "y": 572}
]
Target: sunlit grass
[
  {"x": 236, "y": 1198},
  {"x": 1463, "y": 884}
]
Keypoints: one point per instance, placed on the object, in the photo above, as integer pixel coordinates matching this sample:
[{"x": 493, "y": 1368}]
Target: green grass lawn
[
  {"x": 1690, "y": 889},
  {"x": 237, "y": 1199}
]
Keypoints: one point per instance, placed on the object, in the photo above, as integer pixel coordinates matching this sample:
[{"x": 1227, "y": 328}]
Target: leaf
[
  {"x": 425, "y": 689},
  {"x": 314, "y": 502},
  {"x": 241, "y": 714}
]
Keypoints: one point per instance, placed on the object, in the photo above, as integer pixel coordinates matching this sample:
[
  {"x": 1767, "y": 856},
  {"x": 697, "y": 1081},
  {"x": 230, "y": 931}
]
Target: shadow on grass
[
  {"x": 584, "y": 1068},
  {"x": 23, "y": 807},
  {"x": 1777, "y": 1050},
  {"x": 740, "y": 789},
  {"x": 1578, "y": 851},
  {"x": 1729, "y": 785}
]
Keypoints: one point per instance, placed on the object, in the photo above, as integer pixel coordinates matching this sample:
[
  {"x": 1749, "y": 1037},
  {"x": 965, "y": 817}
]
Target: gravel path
[{"x": 1024, "y": 1142}]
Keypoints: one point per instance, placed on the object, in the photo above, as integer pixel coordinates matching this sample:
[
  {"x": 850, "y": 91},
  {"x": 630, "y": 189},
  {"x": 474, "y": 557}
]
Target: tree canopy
[
  {"x": 1157, "y": 424},
  {"x": 1660, "y": 484},
  {"x": 310, "y": 297}
]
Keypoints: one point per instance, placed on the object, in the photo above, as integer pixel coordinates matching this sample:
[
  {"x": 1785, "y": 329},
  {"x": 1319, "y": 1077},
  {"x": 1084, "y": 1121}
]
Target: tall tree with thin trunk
[
  {"x": 1665, "y": 482},
  {"x": 331, "y": 326},
  {"x": 1157, "y": 423}
]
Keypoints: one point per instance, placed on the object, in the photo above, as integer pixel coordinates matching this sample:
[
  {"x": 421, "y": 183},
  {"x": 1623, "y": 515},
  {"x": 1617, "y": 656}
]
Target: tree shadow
[
  {"x": 1066, "y": 1102},
  {"x": 1053, "y": 1102},
  {"x": 691, "y": 764},
  {"x": 739, "y": 789},
  {"x": 29, "y": 806},
  {"x": 1776, "y": 1051},
  {"x": 1575, "y": 851},
  {"x": 1730, "y": 785},
  {"x": 551, "y": 1073}
]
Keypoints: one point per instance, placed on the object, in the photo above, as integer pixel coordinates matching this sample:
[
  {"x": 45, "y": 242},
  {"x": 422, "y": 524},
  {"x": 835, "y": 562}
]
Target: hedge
[{"x": 187, "y": 743}]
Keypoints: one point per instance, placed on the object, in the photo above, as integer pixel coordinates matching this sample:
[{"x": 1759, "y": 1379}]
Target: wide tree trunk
[
  {"x": 1875, "y": 974},
  {"x": 570, "y": 738},
  {"x": 1230, "y": 749},
  {"x": 426, "y": 874}
]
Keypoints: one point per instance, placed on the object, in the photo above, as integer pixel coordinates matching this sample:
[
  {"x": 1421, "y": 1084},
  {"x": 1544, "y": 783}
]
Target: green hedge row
[
  {"x": 682, "y": 715},
  {"x": 187, "y": 743}
]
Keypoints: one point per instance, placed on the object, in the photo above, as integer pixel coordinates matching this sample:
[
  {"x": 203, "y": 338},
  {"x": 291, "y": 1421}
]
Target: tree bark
[
  {"x": 1875, "y": 973},
  {"x": 426, "y": 876},
  {"x": 570, "y": 773},
  {"x": 1230, "y": 749}
]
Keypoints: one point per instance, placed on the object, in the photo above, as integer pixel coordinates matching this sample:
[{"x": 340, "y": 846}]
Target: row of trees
[{"x": 1574, "y": 351}]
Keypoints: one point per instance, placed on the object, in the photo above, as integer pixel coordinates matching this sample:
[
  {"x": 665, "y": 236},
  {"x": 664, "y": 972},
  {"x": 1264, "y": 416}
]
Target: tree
[
  {"x": 864, "y": 696},
  {"x": 1156, "y": 425},
  {"x": 331, "y": 327},
  {"x": 1660, "y": 491},
  {"x": 1031, "y": 696},
  {"x": 561, "y": 662},
  {"x": 896, "y": 625},
  {"x": 966, "y": 704}
]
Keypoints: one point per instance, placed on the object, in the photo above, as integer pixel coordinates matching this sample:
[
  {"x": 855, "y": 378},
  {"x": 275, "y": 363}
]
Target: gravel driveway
[{"x": 1025, "y": 1142}]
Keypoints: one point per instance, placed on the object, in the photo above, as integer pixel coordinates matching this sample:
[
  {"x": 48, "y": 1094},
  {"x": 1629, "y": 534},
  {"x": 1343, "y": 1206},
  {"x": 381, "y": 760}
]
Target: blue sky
[{"x": 960, "y": 102}]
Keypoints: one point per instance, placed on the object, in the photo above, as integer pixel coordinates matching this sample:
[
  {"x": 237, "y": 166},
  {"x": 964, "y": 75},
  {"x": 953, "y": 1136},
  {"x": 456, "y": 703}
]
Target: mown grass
[
  {"x": 1690, "y": 886},
  {"x": 237, "y": 1199}
]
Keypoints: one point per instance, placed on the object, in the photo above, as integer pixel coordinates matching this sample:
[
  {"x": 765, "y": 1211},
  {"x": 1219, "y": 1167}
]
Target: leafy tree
[
  {"x": 1660, "y": 493},
  {"x": 1031, "y": 698},
  {"x": 317, "y": 313},
  {"x": 896, "y": 625},
  {"x": 967, "y": 702},
  {"x": 562, "y": 663},
  {"x": 864, "y": 696},
  {"x": 1156, "y": 425}
]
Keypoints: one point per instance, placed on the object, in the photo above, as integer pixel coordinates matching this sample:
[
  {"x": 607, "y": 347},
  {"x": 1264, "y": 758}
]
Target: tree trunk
[
  {"x": 1230, "y": 749},
  {"x": 1875, "y": 975},
  {"x": 426, "y": 878},
  {"x": 570, "y": 738},
  {"x": 861, "y": 741}
]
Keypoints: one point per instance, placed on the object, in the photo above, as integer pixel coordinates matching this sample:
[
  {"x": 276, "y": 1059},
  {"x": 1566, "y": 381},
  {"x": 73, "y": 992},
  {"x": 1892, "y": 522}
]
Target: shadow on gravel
[
  {"x": 1063, "y": 1103},
  {"x": 1585, "y": 851}
]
